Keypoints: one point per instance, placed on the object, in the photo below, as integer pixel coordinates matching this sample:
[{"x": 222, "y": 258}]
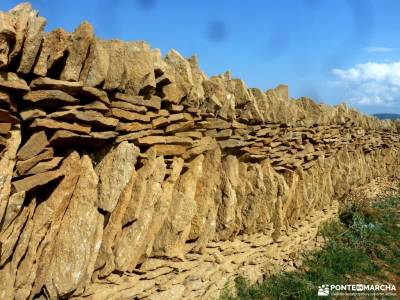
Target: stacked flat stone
[{"x": 126, "y": 174}]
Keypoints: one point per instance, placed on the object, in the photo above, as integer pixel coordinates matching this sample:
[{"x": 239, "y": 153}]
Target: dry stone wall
[{"x": 128, "y": 175}]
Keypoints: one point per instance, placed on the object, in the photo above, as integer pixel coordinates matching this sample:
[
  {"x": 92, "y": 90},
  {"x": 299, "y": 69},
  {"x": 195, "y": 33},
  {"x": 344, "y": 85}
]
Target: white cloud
[
  {"x": 379, "y": 49},
  {"x": 371, "y": 83}
]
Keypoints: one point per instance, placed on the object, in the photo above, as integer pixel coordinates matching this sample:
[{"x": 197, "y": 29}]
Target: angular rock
[
  {"x": 151, "y": 140},
  {"x": 71, "y": 267},
  {"x": 116, "y": 69},
  {"x": 78, "y": 49},
  {"x": 31, "y": 114},
  {"x": 173, "y": 150},
  {"x": 5, "y": 128},
  {"x": 35, "y": 144},
  {"x": 20, "y": 252},
  {"x": 131, "y": 127},
  {"x": 23, "y": 166},
  {"x": 173, "y": 235},
  {"x": 226, "y": 211},
  {"x": 95, "y": 94},
  {"x": 233, "y": 143},
  {"x": 282, "y": 91},
  {"x": 202, "y": 227},
  {"x": 191, "y": 134},
  {"x": 8, "y": 102},
  {"x": 215, "y": 124},
  {"x": 105, "y": 261},
  {"x": 97, "y": 106},
  {"x": 129, "y": 115},
  {"x": 174, "y": 108},
  {"x": 7, "y": 117},
  {"x": 109, "y": 62},
  {"x": 204, "y": 144},
  {"x": 132, "y": 242},
  {"x": 224, "y": 133},
  {"x": 218, "y": 101},
  {"x": 154, "y": 102},
  {"x": 45, "y": 83},
  {"x": 64, "y": 138},
  {"x": 136, "y": 135},
  {"x": 238, "y": 125},
  {"x": 104, "y": 64},
  {"x": 161, "y": 112},
  {"x": 197, "y": 92},
  {"x": 128, "y": 106},
  {"x": 52, "y": 124},
  {"x": 211, "y": 133},
  {"x": 21, "y": 13},
  {"x": 53, "y": 50},
  {"x": 7, "y": 37},
  {"x": 11, "y": 82},
  {"x": 94, "y": 118},
  {"x": 13, "y": 208},
  {"x": 96, "y": 66},
  {"x": 114, "y": 172},
  {"x": 45, "y": 166},
  {"x": 180, "y": 117},
  {"x": 104, "y": 135},
  {"x": 47, "y": 219},
  {"x": 139, "y": 67},
  {"x": 32, "y": 42},
  {"x": 50, "y": 98},
  {"x": 9, "y": 237},
  {"x": 163, "y": 204},
  {"x": 183, "y": 126},
  {"x": 178, "y": 71},
  {"x": 158, "y": 122},
  {"x": 35, "y": 181}
]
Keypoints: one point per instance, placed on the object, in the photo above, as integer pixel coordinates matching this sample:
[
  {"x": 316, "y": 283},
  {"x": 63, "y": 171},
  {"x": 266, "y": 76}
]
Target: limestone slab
[{"x": 35, "y": 144}]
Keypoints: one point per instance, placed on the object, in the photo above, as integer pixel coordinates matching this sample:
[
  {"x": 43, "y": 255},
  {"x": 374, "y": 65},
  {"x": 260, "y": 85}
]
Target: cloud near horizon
[
  {"x": 379, "y": 49},
  {"x": 371, "y": 84}
]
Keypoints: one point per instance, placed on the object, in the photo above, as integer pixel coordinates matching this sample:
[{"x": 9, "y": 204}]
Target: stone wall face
[{"x": 127, "y": 175}]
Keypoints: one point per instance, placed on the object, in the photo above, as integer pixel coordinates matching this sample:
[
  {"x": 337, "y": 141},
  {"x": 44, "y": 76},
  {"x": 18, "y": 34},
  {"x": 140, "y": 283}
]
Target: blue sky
[{"x": 331, "y": 51}]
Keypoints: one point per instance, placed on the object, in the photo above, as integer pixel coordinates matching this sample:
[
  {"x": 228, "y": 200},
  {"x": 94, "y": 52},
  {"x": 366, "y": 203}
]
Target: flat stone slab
[
  {"x": 7, "y": 117},
  {"x": 50, "y": 98},
  {"x": 45, "y": 83},
  {"x": 94, "y": 118},
  {"x": 33, "y": 182},
  {"x": 53, "y": 124},
  {"x": 35, "y": 144},
  {"x": 154, "y": 102},
  {"x": 11, "y": 81}
]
